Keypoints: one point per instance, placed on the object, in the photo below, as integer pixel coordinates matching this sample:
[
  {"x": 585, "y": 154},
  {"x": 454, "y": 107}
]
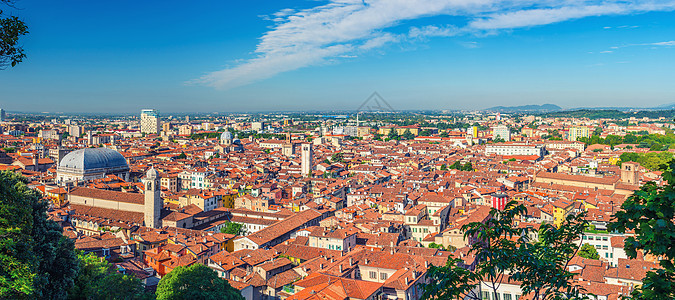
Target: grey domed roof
[
  {"x": 93, "y": 158},
  {"x": 226, "y": 136},
  {"x": 151, "y": 173}
]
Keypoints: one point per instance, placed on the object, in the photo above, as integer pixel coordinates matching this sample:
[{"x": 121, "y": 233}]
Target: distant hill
[
  {"x": 610, "y": 114},
  {"x": 666, "y": 106},
  {"x": 525, "y": 108}
]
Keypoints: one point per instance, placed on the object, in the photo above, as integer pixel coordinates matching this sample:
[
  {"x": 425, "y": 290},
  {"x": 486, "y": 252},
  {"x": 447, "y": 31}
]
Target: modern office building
[{"x": 150, "y": 122}]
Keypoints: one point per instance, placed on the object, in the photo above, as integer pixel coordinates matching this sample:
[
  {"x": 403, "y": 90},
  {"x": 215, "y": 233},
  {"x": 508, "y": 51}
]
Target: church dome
[
  {"x": 226, "y": 136},
  {"x": 93, "y": 158}
]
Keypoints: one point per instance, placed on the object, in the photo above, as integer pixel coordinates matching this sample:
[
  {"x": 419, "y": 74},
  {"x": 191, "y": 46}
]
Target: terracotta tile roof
[
  {"x": 108, "y": 195},
  {"x": 320, "y": 286},
  {"x": 107, "y": 214}
]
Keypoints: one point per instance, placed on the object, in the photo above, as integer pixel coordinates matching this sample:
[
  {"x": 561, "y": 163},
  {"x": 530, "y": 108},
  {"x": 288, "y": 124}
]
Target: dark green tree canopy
[
  {"x": 11, "y": 29},
  {"x": 36, "y": 260},
  {"x": 650, "y": 212},
  {"x": 98, "y": 279},
  {"x": 195, "y": 282}
]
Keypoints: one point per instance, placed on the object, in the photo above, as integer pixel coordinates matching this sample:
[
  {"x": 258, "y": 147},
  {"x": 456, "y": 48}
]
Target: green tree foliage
[
  {"x": 205, "y": 135},
  {"x": 98, "y": 279},
  {"x": 588, "y": 251},
  {"x": 337, "y": 157},
  {"x": 498, "y": 139},
  {"x": 450, "y": 282},
  {"x": 233, "y": 228},
  {"x": 553, "y": 135},
  {"x": 393, "y": 134},
  {"x": 650, "y": 212},
  {"x": 542, "y": 266},
  {"x": 408, "y": 135},
  {"x": 502, "y": 248},
  {"x": 649, "y": 160},
  {"x": 181, "y": 156},
  {"x": 656, "y": 142},
  {"x": 11, "y": 29},
  {"x": 195, "y": 282},
  {"x": 444, "y": 134},
  {"x": 36, "y": 260},
  {"x": 457, "y": 165}
]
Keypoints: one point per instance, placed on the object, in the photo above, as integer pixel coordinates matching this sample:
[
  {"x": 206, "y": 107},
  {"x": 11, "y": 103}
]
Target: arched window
[{"x": 149, "y": 186}]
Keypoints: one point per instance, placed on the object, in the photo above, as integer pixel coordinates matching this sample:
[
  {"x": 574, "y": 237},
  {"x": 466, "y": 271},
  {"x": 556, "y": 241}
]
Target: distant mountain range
[
  {"x": 525, "y": 108},
  {"x": 666, "y": 106},
  {"x": 549, "y": 108}
]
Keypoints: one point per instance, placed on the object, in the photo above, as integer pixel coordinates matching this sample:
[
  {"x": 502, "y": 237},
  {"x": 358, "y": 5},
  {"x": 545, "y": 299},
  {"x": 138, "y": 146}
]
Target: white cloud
[
  {"x": 470, "y": 45},
  {"x": 652, "y": 45},
  {"x": 432, "y": 31},
  {"x": 534, "y": 17},
  {"x": 379, "y": 41},
  {"x": 347, "y": 28},
  {"x": 669, "y": 43}
]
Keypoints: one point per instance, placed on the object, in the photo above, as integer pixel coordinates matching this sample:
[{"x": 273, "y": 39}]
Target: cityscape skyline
[
  {"x": 445, "y": 56},
  {"x": 337, "y": 149}
]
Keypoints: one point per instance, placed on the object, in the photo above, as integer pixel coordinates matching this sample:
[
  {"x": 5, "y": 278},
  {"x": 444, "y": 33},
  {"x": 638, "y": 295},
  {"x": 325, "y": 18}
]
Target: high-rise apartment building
[
  {"x": 576, "y": 132},
  {"x": 257, "y": 126},
  {"x": 2, "y": 115},
  {"x": 306, "y": 159},
  {"x": 76, "y": 131},
  {"x": 501, "y": 131},
  {"x": 150, "y": 122},
  {"x": 472, "y": 131}
]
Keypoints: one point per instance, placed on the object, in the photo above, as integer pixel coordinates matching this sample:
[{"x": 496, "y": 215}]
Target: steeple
[{"x": 153, "y": 200}]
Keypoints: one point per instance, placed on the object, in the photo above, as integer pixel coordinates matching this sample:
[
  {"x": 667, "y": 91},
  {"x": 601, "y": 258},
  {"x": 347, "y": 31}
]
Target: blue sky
[{"x": 201, "y": 56}]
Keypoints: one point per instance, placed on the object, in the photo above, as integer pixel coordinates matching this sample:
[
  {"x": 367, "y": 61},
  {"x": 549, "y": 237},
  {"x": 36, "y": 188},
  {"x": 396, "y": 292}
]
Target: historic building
[{"x": 91, "y": 163}]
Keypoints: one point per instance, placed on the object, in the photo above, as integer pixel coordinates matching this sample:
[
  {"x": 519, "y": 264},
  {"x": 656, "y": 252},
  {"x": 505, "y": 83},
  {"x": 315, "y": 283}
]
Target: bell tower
[
  {"x": 153, "y": 200},
  {"x": 629, "y": 173}
]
